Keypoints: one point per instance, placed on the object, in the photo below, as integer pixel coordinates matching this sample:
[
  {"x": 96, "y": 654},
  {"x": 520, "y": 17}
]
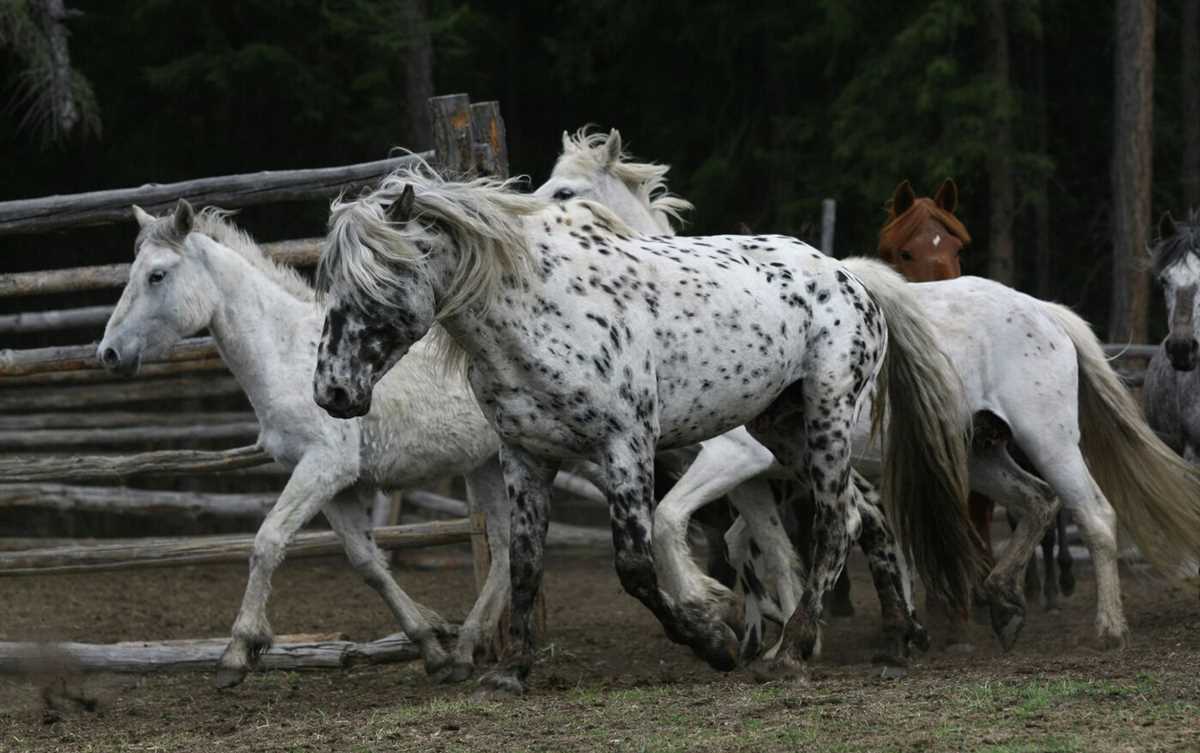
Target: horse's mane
[
  {"x": 214, "y": 222},
  {"x": 899, "y": 229},
  {"x": 585, "y": 151},
  {"x": 483, "y": 219},
  {"x": 1186, "y": 240}
]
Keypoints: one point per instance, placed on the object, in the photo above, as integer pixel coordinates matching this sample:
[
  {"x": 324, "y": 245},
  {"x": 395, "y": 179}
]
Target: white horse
[
  {"x": 585, "y": 340},
  {"x": 1034, "y": 372},
  {"x": 198, "y": 271}
]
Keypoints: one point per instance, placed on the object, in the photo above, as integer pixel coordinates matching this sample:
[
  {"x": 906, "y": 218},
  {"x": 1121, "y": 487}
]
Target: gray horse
[{"x": 1172, "y": 379}]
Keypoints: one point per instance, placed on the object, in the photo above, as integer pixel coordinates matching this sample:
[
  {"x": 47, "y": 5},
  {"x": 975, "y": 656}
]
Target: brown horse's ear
[
  {"x": 401, "y": 210},
  {"x": 947, "y": 196},
  {"x": 183, "y": 218},
  {"x": 1166, "y": 226},
  {"x": 903, "y": 198},
  {"x": 744, "y": 229}
]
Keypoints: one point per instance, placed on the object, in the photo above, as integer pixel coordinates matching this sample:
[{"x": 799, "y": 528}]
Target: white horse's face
[
  {"x": 170, "y": 295},
  {"x": 1180, "y": 282},
  {"x": 603, "y": 188}
]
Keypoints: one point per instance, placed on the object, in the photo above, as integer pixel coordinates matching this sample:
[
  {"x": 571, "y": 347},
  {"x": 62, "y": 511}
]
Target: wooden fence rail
[
  {"x": 99, "y": 207},
  {"x": 77, "y": 357},
  {"x": 175, "y": 551},
  {"x": 49, "y": 321},
  {"x": 91, "y": 396},
  {"x": 126, "y": 501},
  {"x": 112, "y": 419},
  {"x": 303, "y": 252},
  {"x": 37, "y": 468},
  {"x": 290, "y": 653},
  {"x": 127, "y": 435}
]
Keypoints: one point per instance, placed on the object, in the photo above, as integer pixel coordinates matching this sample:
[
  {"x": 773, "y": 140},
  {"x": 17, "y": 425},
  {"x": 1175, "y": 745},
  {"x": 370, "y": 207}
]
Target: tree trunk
[
  {"x": 63, "y": 115},
  {"x": 1132, "y": 168},
  {"x": 418, "y": 75},
  {"x": 1044, "y": 259},
  {"x": 1189, "y": 30},
  {"x": 1000, "y": 179}
]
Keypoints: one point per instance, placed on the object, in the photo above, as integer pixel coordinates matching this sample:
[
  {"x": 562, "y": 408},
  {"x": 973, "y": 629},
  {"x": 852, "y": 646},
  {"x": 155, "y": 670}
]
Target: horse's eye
[
  {"x": 906, "y": 255},
  {"x": 563, "y": 194},
  {"x": 157, "y": 276}
]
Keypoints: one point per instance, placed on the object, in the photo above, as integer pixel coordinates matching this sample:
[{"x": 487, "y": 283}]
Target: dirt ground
[{"x": 608, "y": 680}]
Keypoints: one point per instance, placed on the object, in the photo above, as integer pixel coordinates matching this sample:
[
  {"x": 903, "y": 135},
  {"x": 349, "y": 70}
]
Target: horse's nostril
[
  {"x": 111, "y": 357},
  {"x": 338, "y": 397}
]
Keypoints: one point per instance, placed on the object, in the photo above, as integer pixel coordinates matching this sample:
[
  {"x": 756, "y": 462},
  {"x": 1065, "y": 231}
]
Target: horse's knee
[
  {"x": 269, "y": 545},
  {"x": 636, "y": 572}
]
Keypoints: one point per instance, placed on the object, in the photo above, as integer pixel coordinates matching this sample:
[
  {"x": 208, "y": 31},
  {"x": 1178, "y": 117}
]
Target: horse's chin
[{"x": 1184, "y": 364}]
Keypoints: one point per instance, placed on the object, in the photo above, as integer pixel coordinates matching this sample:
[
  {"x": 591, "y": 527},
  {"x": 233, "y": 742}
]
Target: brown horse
[{"x": 922, "y": 239}]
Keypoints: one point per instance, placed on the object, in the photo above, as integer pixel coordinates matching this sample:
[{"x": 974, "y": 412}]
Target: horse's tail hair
[
  {"x": 922, "y": 406},
  {"x": 1155, "y": 492}
]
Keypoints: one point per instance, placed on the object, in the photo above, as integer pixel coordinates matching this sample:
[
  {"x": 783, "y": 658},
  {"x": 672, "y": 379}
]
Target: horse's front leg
[
  {"x": 315, "y": 480},
  {"x": 527, "y": 480},
  {"x": 485, "y": 490}
]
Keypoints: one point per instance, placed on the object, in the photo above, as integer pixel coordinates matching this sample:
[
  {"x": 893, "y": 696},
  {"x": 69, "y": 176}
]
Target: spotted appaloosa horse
[
  {"x": 583, "y": 340},
  {"x": 1034, "y": 372},
  {"x": 923, "y": 240}
]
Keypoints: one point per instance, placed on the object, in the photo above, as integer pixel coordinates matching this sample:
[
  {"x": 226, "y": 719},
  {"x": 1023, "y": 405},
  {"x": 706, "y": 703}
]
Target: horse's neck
[{"x": 256, "y": 327}]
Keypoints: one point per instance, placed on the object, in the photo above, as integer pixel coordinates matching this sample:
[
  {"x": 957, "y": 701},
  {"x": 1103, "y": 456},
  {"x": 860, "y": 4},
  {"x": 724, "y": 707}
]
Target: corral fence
[{"x": 56, "y": 400}]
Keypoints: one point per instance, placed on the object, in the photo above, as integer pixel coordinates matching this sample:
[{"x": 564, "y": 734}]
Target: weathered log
[
  {"x": 297, "y": 253},
  {"x": 560, "y": 536},
  {"x": 45, "y": 321},
  {"x": 290, "y": 653},
  {"x": 110, "y": 419},
  {"x": 230, "y": 191},
  {"x": 93, "y": 375},
  {"x": 132, "y": 501},
  {"x": 28, "y": 440},
  {"x": 33, "y": 468},
  {"x": 73, "y": 398},
  {"x": 169, "y": 552},
  {"x": 75, "y": 357},
  {"x": 452, "y": 142}
]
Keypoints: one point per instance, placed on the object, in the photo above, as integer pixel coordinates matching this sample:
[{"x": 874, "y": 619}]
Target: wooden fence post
[
  {"x": 828, "y": 218},
  {"x": 452, "y": 144},
  {"x": 491, "y": 141}
]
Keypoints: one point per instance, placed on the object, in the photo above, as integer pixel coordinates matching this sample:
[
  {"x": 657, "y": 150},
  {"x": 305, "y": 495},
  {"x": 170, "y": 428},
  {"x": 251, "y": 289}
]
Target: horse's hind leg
[
  {"x": 1066, "y": 563},
  {"x": 817, "y": 450},
  {"x": 314, "y": 481},
  {"x": 349, "y": 516},
  {"x": 891, "y": 578},
  {"x": 1033, "y": 581},
  {"x": 485, "y": 489},
  {"x": 1050, "y": 577}
]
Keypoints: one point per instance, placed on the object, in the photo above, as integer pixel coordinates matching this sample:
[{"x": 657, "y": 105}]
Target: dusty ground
[{"x": 609, "y": 679}]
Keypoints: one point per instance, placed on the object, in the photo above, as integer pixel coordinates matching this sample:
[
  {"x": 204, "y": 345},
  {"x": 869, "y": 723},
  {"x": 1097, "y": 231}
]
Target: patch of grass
[{"x": 1046, "y": 745}]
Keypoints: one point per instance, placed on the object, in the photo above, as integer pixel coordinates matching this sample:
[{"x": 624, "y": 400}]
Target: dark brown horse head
[{"x": 922, "y": 238}]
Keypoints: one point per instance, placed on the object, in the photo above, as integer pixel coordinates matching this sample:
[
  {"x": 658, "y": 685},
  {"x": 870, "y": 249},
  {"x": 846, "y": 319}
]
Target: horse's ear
[
  {"x": 1166, "y": 226},
  {"x": 401, "y": 210},
  {"x": 612, "y": 148},
  {"x": 902, "y": 198},
  {"x": 143, "y": 217},
  {"x": 566, "y": 141},
  {"x": 183, "y": 218},
  {"x": 947, "y": 196}
]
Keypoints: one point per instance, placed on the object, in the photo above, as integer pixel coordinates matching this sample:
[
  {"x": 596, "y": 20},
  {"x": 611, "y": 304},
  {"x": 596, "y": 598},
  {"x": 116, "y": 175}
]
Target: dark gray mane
[{"x": 1186, "y": 240}]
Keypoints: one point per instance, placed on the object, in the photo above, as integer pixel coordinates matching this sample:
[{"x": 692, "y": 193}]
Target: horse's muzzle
[
  {"x": 1181, "y": 352},
  {"x": 113, "y": 360},
  {"x": 338, "y": 402}
]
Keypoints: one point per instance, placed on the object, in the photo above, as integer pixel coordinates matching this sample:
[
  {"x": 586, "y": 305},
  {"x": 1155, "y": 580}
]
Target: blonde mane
[
  {"x": 584, "y": 151},
  {"x": 482, "y": 219},
  {"x": 214, "y": 223}
]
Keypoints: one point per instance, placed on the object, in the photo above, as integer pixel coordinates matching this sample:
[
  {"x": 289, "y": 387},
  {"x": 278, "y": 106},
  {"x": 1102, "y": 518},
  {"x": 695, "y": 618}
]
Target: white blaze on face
[{"x": 937, "y": 239}]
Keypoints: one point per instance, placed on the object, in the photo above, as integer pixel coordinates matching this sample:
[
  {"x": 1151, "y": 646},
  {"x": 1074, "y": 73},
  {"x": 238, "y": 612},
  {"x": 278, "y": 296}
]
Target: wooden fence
[{"x": 50, "y": 401}]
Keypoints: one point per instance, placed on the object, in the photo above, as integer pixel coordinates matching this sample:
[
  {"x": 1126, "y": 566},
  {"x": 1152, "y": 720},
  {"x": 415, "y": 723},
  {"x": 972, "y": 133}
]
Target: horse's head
[
  {"x": 593, "y": 166},
  {"x": 379, "y": 300},
  {"x": 169, "y": 295},
  {"x": 922, "y": 239},
  {"x": 1176, "y": 258}
]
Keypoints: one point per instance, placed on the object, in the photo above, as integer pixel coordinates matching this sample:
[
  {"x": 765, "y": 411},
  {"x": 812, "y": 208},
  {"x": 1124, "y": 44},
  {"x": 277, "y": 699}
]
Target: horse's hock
[{"x": 56, "y": 400}]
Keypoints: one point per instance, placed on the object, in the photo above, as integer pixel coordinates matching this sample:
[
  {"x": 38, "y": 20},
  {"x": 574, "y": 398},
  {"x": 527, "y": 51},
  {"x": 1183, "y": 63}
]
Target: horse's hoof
[
  {"x": 1066, "y": 583},
  {"x": 1112, "y": 640},
  {"x": 918, "y": 636},
  {"x": 1008, "y": 617},
  {"x": 229, "y": 677},
  {"x": 1008, "y": 632},
  {"x": 720, "y": 648},
  {"x": 779, "y": 668},
  {"x": 499, "y": 684},
  {"x": 451, "y": 672}
]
